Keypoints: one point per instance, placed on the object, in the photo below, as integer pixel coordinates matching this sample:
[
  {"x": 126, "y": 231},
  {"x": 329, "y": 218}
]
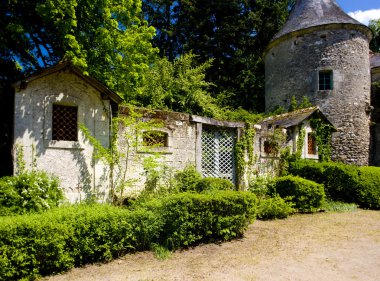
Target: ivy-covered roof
[
  {"x": 293, "y": 118},
  {"x": 312, "y": 13}
]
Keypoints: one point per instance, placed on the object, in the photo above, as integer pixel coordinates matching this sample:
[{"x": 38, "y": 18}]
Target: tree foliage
[
  {"x": 234, "y": 33},
  {"x": 374, "y": 25},
  {"x": 179, "y": 85},
  {"x": 106, "y": 38}
]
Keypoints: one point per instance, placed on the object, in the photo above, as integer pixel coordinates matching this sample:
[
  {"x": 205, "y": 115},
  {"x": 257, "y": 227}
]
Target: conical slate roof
[{"x": 312, "y": 13}]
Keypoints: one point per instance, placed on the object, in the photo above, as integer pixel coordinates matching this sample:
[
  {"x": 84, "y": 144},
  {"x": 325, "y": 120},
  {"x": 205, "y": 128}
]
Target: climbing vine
[
  {"x": 244, "y": 151},
  {"x": 300, "y": 143},
  {"x": 322, "y": 134}
]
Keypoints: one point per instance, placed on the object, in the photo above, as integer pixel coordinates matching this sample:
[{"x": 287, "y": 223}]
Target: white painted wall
[{"x": 71, "y": 161}]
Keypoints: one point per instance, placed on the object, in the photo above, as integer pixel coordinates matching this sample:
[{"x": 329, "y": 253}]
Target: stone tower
[{"x": 323, "y": 54}]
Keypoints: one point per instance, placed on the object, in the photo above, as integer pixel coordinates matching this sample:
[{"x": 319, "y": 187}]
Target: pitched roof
[
  {"x": 106, "y": 93},
  {"x": 293, "y": 118},
  {"x": 375, "y": 60},
  {"x": 312, "y": 13}
]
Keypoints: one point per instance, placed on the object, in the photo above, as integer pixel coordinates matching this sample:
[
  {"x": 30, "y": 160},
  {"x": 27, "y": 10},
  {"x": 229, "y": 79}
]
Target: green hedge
[
  {"x": 342, "y": 182},
  {"x": 306, "y": 195},
  {"x": 57, "y": 240},
  {"x": 42, "y": 244},
  {"x": 193, "y": 218}
]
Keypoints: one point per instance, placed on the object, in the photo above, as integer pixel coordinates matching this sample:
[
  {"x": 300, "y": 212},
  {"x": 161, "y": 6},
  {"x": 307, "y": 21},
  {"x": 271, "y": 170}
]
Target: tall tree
[
  {"x": 374, "y": 25},
  {"x": 234, "y": 33},
  {"x": 107, "y": 38}
]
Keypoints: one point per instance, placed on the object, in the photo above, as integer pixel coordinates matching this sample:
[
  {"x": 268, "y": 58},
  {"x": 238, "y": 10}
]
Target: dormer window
[
  {"x": 65, "y": 123},
  {"x": 325, "y": 80}
]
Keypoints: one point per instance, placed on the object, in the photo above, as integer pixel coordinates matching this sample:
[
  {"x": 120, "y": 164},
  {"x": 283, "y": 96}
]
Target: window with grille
[
  {"x": 218, "y": 159},
  {"x": 65, "y": 123},
  {"x": 311, "y": 144},
  {"x": 269, "y": 147},
  {"x": 325, "y": 80},
  {"x": 155, "y": 138}
]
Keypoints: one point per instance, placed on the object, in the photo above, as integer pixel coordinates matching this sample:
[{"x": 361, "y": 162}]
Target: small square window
[
  {"x": 155, "y": 138},
  {"x": 325, "y": 80},
  {"x": 65, "y": 123},
  {"x": 269, "y": 147}
]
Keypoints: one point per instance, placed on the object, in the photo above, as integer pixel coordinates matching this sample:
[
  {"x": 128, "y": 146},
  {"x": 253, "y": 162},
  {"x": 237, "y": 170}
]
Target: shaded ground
[{"x": 325, "y": 246}]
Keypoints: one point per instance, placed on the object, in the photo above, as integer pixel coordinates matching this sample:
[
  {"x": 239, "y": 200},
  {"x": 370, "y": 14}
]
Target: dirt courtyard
[{"x": 320, "y": 247}]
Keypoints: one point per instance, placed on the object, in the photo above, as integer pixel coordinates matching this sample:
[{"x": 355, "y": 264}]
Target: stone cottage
[
  {"x": 293, "y": 130},
  {"x": 47, "y": 109},
  {"x": 323, "y": 54},
  {"x": 49, "y": 106}
]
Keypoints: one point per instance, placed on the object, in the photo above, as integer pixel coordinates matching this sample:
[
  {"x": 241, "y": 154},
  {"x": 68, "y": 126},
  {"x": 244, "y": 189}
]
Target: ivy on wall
[
  {"x": 322, "y": 133},
  {"x": 244, "y": 157}
]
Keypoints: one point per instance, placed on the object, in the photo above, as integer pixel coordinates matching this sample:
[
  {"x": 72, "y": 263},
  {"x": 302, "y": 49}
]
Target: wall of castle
[
  {"x": 71, "y": 161},
  {"x": 292, "y": 69}
]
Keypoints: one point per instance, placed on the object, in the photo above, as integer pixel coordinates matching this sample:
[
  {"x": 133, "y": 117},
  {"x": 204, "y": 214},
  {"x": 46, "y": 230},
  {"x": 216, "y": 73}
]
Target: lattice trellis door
[{"x": 218, "y": 159}]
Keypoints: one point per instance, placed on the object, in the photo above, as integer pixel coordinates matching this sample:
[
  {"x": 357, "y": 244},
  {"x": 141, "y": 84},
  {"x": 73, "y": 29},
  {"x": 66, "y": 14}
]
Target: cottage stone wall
[
  {"x": 71, "y": 161},
  {"x": 180, "y": 151},
  {"x": 292, "y": 67}
]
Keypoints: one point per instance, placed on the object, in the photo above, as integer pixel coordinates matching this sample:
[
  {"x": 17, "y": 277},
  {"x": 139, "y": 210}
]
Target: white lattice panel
[{"x": 218, "y": 153}]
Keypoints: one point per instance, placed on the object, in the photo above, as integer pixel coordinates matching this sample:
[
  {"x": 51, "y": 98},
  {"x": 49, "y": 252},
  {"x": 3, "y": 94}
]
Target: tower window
[
  {"x": 65, "y": 123},
  {"x": 325, "y": 80}
]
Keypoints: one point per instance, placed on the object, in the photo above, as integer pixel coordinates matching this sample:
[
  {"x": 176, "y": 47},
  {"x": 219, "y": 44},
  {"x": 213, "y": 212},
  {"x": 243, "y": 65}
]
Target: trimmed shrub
[
  {"x": 42, "y": 244},
  {"x": 368, "y": 187},
  {"x": 29, "y": 192},
  {"x": 274, "y": 208},
  {"x": 187, "y": 179},
  {"x": 193, "y": 218},
  {"x": 342, "y": 182},
  {"x": 306, "y": 195},
  {"x": 210, "y": 184},
  {"x": 35, "y": 245}
]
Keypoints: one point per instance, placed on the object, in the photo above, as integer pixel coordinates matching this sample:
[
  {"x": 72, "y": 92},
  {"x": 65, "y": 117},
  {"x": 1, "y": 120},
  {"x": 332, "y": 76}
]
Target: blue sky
[{"x": 362, "y": 10}]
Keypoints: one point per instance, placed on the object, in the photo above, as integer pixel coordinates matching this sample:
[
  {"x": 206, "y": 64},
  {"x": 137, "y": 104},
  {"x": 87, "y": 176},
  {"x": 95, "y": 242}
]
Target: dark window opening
[
  {"x": 155, "y": 138},
  {"x": 269, "y": 147},
  {"x": 325, "y": 80},
  {"x": 311, "y": 144},
  {"x": 65, "y": 123}
]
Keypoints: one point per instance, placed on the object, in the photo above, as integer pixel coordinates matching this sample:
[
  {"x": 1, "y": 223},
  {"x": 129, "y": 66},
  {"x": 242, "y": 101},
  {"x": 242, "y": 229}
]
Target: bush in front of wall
[
  {"x": 29, "y": 192},
  {"x": 54, "y": 241},
  {"x": 209, "y": 184},
  {"x": 306, "y": 195},
  {"x": 347, "y": 183},
  {"x": 35, "y": 245},
  {"x": 187, "y": 179},
  {"x": 368, "y": 187},
  {"x": 192, "y": 218},
  {"x": 274, "y": 208}
]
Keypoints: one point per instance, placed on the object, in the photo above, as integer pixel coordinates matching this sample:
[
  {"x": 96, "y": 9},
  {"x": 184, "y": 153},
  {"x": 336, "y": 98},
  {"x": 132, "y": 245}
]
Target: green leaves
[
  {"x": 374, "y": 25},
  {"x": 106, "y": 38},
  {"x": 57, "y": 240}
]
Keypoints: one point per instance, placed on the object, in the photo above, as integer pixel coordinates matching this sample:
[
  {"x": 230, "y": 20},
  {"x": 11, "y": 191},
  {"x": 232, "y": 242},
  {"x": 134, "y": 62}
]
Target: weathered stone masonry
[{"x": 326, "y": 41}]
